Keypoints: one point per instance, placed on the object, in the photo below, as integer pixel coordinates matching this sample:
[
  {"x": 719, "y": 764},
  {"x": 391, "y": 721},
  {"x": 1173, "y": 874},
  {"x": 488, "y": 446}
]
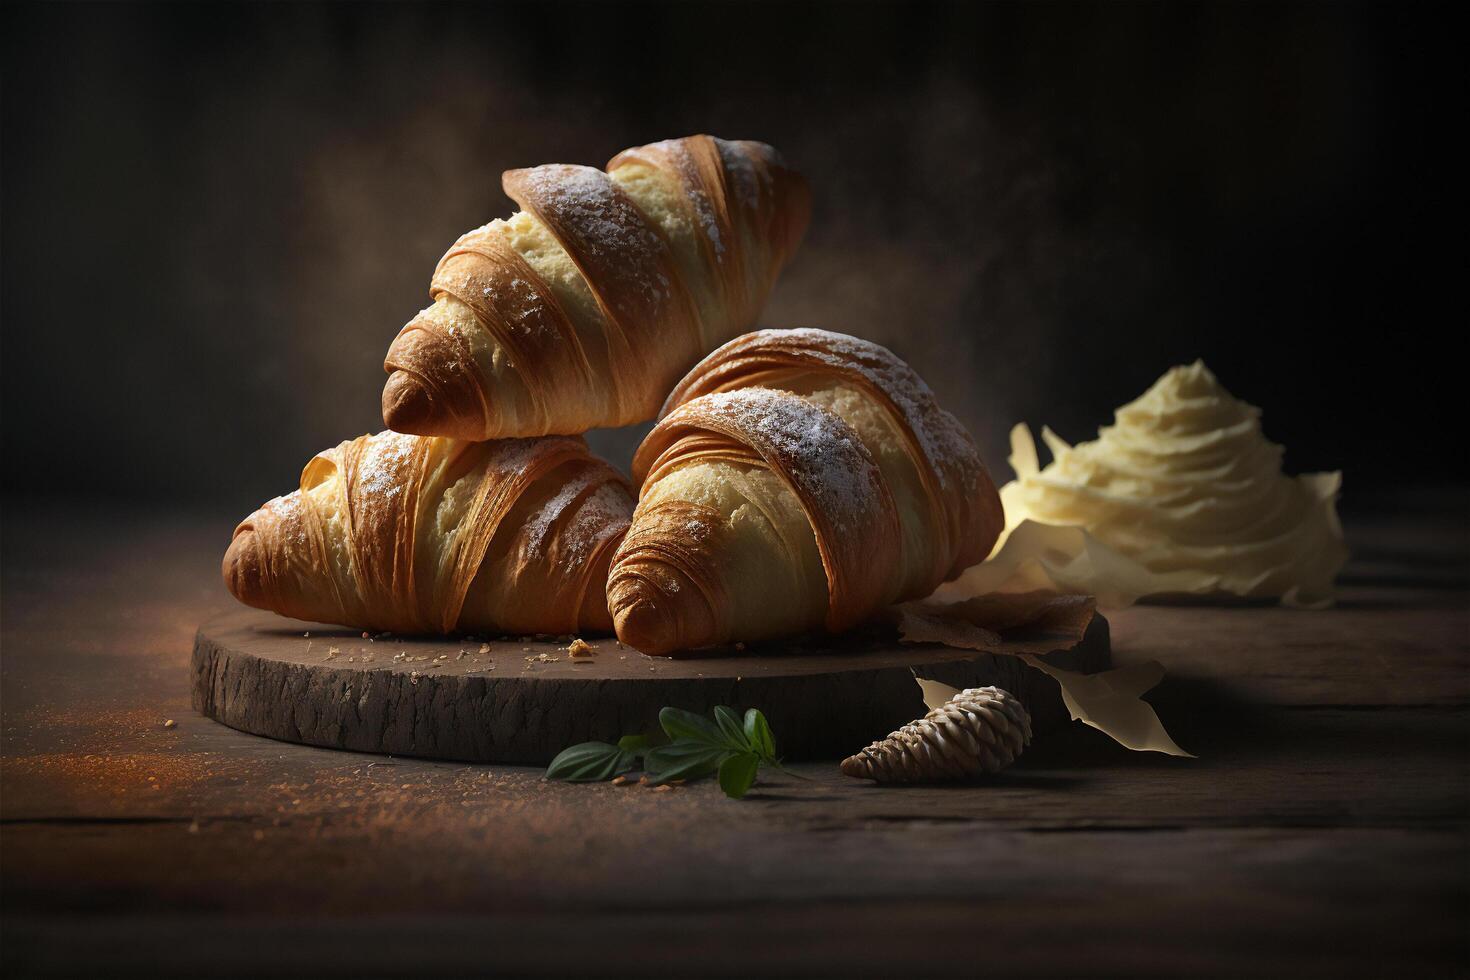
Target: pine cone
[{"x": 982, "y": 729}]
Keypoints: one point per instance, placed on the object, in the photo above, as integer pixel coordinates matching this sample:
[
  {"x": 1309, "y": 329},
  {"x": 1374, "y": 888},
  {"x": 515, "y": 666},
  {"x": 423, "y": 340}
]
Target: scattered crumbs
[
  {"x": 620, "y": 780},
  {"x": 652, "y": 669},
  {"x": 413, "y": 676},
  {"x": 484, "y": 648},
  {"x": 169, "y": 723},
  {"x": 332, "y": 652},
  {"x": 307, "y": 635},
  {"x": 541, "y": 658},
  {"x": 622, "y": 658},
  {"x": 665, "y": 788},
  {"x": 352, "y": 660},
  {"x": 525, "y": 649},
  {"x": 580, "y": 649},
  {"x": 460, "y": 656}
]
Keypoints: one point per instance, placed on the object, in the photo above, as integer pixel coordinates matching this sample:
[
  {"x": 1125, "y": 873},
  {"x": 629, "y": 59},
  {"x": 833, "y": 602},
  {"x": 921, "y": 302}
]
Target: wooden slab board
[{"x": 523, "y": 700}]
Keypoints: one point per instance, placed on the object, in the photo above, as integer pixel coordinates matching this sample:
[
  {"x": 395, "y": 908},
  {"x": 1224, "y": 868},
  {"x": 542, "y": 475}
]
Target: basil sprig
[{"x": 733, "y": 747}]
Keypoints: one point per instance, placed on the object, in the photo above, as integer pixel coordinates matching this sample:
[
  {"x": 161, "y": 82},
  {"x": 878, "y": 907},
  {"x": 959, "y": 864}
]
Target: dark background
[{"x": 216, "y": 218}]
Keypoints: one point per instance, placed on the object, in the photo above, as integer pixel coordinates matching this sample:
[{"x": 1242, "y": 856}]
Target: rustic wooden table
[{"x": 1324, "y": 830}]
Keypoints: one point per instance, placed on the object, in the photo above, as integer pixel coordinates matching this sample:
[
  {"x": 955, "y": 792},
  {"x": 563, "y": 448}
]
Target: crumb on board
[
  {"x": 580, "y": 649},
  {"x": 484, "y": 648},
  {"x": 620, "y": 780},
  {"x": 169, "y": 723}
]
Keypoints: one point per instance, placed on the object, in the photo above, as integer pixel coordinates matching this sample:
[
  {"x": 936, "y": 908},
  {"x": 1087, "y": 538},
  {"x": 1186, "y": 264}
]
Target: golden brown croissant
[
  {"x": 414, "y": 534},
  {"x": 582, "y": 309},
  {"x": 798, "y": 479}
]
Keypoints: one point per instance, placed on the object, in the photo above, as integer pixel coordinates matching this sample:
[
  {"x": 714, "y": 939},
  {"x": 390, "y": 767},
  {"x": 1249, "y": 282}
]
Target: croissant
[
  {"x": 582, "y": 309},
  {"x": 798, "y": 479},
  {"x": 414, "y": 534}
]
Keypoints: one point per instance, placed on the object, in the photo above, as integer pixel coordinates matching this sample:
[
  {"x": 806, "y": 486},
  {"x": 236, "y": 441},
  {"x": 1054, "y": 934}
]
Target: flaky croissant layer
[
  {"x": 798, "y": 480},
  {"x": 582, "y": 309},
  {"x": 414, "y": 534}
]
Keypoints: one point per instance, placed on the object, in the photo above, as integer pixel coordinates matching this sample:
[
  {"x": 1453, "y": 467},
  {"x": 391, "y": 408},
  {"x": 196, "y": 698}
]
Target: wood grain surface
[
  {"x": 1324, "y": 830},
  {"x": 522, "y": 700}
]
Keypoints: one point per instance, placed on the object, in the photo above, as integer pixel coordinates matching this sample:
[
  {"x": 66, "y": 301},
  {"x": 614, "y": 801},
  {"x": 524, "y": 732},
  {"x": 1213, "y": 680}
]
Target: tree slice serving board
[{"x": 522, "y": 701}]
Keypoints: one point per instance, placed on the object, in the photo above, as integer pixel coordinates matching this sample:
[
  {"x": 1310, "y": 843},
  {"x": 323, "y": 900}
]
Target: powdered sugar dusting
[
  {"x": 604, "y": 233},
  {"x": 823, "y": 458},
  {"x": 950, "y": 452},
  {"x": 604, "y": 510},
  {"x": 940, "y": 434}
]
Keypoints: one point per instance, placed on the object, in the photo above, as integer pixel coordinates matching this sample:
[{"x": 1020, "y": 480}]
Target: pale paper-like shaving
[
  {"x": 1108, "y": 701},
  {"x": 1010, "y": 623},
  {"x": 1026, "y": 624},
  {"x": 1182, "y": 495},
  {"x": 936, "y": 695},
  {"x": 1068, "y": 559},
  {"x": 1111, "y": 703}
]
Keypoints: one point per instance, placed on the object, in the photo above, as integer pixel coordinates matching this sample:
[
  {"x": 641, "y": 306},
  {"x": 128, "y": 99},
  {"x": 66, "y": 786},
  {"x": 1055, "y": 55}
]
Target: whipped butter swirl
[{"x": 1182, "y": 494}]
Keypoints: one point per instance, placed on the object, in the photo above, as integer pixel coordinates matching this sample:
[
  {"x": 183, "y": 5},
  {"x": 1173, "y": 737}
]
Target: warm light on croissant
[
  {"x": 582, "y": 309},
  {"x": 798, "y": 480},
  {"x": 414, "y": 534}
]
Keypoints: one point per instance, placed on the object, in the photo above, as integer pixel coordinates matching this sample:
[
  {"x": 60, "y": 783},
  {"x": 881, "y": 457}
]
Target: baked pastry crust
[
  {"x": 798, "y": 480},
  {"x": 582, "y": 309},
  {"x": 413, "y": 534}
]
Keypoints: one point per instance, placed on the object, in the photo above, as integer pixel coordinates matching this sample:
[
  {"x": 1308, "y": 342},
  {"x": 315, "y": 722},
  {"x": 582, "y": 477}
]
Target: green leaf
[
  {"x": 683, "y": 760},
  {"x": 758, "y": 734},
  {"x": 737, "y": 774},
  {"x": 589, "y": 762},
  {"x": 729, "y": 723},
  {"x": 633, "y": 744},
  {"x": 678, "y": 723}
]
